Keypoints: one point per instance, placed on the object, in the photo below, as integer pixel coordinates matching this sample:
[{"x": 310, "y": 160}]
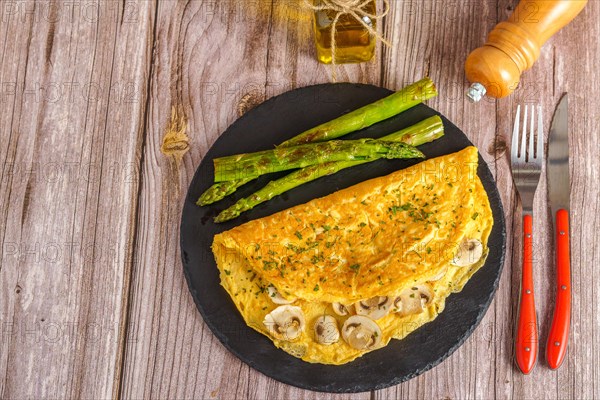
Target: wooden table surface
[{"x": 93, "y": 302}]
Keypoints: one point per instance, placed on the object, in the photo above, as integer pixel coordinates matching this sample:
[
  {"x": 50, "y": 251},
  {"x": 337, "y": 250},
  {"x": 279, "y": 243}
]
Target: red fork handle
[
  {"x": 556, "y": 348},
  {"x": 526, "y": 345}
]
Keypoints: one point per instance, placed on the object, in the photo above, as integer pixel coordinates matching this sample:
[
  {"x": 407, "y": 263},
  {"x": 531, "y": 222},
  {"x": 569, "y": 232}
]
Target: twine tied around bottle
[{"x": 355, "y": 8}]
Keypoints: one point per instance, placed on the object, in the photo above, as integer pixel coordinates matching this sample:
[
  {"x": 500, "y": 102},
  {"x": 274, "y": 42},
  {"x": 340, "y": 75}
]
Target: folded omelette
[{"x": 340, "y": 276}]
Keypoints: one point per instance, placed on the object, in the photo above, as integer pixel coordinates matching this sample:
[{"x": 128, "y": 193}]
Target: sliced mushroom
[
  {"x": 285, "y": 322},
  {"x": 439, "y": 275},
  {"x": 413, "y": 300},
  {"x": 276, "y": 297},
  {"x": 468, "y": 253},
  {"x": 341, "y": 309},
  {"x": 361, "y": 333},
  {"x": 326, "y": 330},
  {"x": 375, "y": 307}
]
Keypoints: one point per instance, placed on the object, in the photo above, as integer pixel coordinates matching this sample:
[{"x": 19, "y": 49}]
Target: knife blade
[
  {"x": 557, "y": 170},
  {"x": 558, "y": 157}
]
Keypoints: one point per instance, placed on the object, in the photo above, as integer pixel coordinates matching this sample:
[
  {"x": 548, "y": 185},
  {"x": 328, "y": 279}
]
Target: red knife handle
[
  {"x": 527, "y": 332},
  {"x": 558, "y": 338}
]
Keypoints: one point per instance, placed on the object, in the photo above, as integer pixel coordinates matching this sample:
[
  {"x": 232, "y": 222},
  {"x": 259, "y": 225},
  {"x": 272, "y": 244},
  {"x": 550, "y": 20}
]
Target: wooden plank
[
  {"x": 218, "y": 59},
  {"x": 577, "y": 56},
  {"x": 208, "y": 56},
  {"x": 559, "y": 69},
  {"x": 494, "y": 357},
  {"x": 536, "y": 86},
  {"x": 291, "y": 64},
  {"x": 73, "y": 82},
  {"x": 433, "y": 38}
]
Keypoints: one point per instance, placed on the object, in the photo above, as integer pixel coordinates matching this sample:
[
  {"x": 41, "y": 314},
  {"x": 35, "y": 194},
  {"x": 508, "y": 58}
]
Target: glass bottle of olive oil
[{"x": 353, "y": 41}]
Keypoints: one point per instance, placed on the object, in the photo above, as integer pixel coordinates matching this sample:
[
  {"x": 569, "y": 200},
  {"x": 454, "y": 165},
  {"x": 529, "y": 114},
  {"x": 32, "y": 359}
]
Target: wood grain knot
[
  {"x": 498, "y": 147},
  {"x": 18, "y": 289},
  {"x": 248, "y": 102},
  {"x": 176, "y": 142}
]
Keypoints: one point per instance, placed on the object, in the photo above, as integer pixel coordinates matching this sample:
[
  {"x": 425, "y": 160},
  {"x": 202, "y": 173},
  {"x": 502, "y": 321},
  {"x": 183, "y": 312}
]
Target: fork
[{"x": 526, "y": 166}]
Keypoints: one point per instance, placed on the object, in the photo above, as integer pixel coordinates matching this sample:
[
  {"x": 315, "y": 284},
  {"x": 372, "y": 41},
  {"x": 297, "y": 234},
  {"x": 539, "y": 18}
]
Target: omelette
[{"x": 337, "y": 277}]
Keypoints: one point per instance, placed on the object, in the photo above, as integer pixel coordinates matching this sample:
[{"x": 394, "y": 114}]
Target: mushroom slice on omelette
[{"x": 337, "y": 277}]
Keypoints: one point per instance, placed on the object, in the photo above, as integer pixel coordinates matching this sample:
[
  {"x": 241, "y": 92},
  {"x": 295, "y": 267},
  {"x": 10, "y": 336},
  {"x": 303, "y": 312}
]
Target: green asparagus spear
[
  {"x": 221, "y": 190},
  {"x": 368, "y": 115},
  {"x": 242, "y": 166},
  {"x": 401, "y": 101},
  {"x": 424, "y": 132}
]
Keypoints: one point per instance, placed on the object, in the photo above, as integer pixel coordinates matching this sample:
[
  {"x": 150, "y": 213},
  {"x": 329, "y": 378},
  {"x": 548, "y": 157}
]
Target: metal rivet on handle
[
  {"x": 528, "y": 235},
  {"x": 528, "y": 291},
  {"x": 564, "y": 287},
  {"x": 527, "y": 349},
  {"x": 557, "y": 343},
  {"x": 562, "y": 232}
]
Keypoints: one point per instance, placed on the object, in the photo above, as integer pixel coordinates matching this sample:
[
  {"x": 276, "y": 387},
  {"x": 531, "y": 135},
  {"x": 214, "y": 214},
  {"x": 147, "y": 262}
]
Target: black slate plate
[{"x": 272, "y": 122}]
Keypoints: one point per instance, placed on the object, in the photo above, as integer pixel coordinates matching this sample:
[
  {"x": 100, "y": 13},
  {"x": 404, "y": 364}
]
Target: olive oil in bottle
[{"x": 353, "y": 42}]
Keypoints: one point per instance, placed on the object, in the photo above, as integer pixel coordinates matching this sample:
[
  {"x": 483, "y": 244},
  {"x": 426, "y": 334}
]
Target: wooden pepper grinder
[{"x": 514, "y": 45}]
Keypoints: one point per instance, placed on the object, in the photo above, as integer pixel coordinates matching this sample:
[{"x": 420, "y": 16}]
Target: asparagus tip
[
  {"x": 223, "y": 216},
  {"x": 206, "y": 199},
  {"x": 403, "y": 150}
]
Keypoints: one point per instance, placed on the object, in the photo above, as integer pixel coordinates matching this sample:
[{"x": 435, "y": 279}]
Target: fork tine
[
  {"x": 514, "y": 149},
  {"x": 524, "y": 137},
  {"x": 531, "y": 139},
  {"x": 540, "y": 136}
]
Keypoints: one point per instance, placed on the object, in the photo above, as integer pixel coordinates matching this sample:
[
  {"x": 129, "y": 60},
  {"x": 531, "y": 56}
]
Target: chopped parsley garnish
[
  {"x": 294, "y": 248},
  {"x": 474, "y": 216},
  {"x": 403, "y": 207},
  {"x": 298, "y": 235},
  {"x": 268, "y": 265},
  {"x": 419, "y": 215},
  {"x": 406, "y": 206},
  {"x": 316, "y": 289}
]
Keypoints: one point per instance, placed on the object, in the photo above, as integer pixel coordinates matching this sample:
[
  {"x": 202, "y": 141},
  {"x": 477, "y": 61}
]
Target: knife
[{"x": 557, "y": 170}]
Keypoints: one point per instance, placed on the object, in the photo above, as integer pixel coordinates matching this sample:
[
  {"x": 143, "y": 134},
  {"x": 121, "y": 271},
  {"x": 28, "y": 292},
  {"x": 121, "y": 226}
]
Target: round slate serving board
[{"x": 269, "y": 124}]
